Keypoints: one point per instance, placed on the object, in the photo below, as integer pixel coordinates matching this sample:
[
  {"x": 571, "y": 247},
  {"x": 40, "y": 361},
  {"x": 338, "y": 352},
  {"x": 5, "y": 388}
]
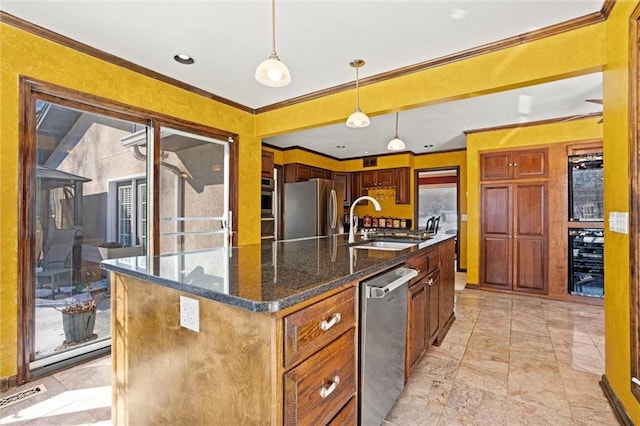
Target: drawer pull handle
[
  {"x": 326, "y": 325},
  {"x": 328, "y": 390},
  {"x": 430, "y": 282}
]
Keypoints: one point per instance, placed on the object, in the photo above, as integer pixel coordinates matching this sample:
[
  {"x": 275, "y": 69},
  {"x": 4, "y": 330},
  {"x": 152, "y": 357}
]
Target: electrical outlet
[
  {"x": 619, "y": 222},
  {"x": 189, "y": 313}
]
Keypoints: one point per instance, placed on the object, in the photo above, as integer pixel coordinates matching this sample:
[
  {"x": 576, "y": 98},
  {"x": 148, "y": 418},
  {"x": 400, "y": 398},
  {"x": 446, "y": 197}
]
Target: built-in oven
[{"x": 267, "y": 197}]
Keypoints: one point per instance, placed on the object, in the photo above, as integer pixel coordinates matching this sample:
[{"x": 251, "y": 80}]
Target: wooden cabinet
[
  {"x": 316, "y": 390},
  {"x": 447, "y": 278},
  {"x": 320, "y": 346},
  {"x": 416, "y": 324},
  {"x": 398, "y": 178},
  {"x": 309, "y": 329},
  {"x": 514, "y": 236},
  {"x": 431, "y": 301},
  {"x": 403, "y": 185},
  {"x": 348, "y": 415},
  {"x": 296, "y": 172},
  {"x": 531, "y": 163},
  {"x": 356, "y": 186},
  {"x": 344, "y": 179},
  {"x": 267, "y": 164},
  {"x": 378, "y": 178}
]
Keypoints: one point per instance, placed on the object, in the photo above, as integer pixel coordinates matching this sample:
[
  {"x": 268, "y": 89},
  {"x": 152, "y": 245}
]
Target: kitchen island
[{"x": 277, "y": 339}]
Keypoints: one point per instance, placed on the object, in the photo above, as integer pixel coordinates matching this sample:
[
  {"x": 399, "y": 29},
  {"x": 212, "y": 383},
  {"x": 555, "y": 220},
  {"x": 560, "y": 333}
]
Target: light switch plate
[{"x": 189, "y": 313}]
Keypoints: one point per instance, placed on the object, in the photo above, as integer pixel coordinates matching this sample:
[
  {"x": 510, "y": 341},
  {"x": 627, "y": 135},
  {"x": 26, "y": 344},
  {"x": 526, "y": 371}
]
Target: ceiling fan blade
[{"x": 594, "y": 101}]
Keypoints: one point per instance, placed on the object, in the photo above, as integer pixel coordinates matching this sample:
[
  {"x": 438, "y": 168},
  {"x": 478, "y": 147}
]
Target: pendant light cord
[
  {"x": 273, "y": 27},
  {"x": 397, "y": 125},
  {"x": 357, "y": 97}
]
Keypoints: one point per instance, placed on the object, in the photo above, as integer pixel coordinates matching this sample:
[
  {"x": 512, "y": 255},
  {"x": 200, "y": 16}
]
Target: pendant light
[
  {"x": 358, "y": 118},
  {"x": 272, "y": 72},
  {"x": 396, "y": 144}
]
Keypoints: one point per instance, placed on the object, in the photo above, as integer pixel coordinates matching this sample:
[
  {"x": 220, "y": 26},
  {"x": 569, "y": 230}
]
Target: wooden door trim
[
  {"x": 634, "y": 197},
  {"x": 31, "y": 90},
  {"x": 416, "y": 191}
]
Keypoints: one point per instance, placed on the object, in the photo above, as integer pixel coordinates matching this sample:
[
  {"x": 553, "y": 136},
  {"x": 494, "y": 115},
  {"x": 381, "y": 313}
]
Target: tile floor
[
  {"x": 511, "y": 360},
  {"x": 507, "y": 360}
]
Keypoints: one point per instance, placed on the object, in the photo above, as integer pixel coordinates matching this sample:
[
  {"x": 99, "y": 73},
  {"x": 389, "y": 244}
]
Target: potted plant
[{"x": 78, "y": 319}]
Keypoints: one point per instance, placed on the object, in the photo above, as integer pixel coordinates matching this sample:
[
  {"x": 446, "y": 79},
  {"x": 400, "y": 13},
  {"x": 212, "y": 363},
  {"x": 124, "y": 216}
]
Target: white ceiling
[{"x": 317, "y": 39}]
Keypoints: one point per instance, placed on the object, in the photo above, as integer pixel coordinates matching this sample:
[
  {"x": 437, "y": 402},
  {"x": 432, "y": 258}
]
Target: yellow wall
[
  {"x": 570, "y": 131},
  {"x": 22, "y": 53},
  {"x": 616, "y": 198},
  {"x": 572, "y": 53}
]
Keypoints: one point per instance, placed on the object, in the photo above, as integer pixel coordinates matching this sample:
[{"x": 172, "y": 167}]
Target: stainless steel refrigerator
[{"x": 312, "y": 209}]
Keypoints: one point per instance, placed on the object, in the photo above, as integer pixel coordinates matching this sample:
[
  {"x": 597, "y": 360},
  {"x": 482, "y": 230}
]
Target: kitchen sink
[{"x": 385, "y": 245}]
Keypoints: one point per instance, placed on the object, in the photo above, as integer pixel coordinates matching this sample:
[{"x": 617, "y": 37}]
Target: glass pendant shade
[
  {"x": 358, "y": 119},
  {"x": 396, "y": 144},
  {"x": 273, "y": 72}
]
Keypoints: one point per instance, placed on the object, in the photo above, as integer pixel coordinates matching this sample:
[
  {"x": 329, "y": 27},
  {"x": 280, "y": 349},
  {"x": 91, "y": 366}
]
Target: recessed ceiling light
[
  {"x": 457, "y": 13},
  {"x": 365, "y": 152},
  {"x": 341, "y": 146},
  {"x": 428, "y": 146},
  {"x": 183, "y": 58}
]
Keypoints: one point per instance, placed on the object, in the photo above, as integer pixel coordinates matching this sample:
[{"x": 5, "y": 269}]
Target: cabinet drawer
[
  {"x": 421, "y": 264},
  {"x": 348, "y": 415},
  {"x": 317, "y": 389},
  {"x": 433, "y": 260},
  {"x": 311, "y": 328}
]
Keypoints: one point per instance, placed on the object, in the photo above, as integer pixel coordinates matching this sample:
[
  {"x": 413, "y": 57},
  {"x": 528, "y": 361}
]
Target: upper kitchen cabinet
[
  {"x": 398, "y": 178},
  {"x": 372, "y": 179},
  {"x": 402, "y": 176},
  {"x": 522, "y": 164},
  {"x": 296, "y": 172},
  {"x": 344, "y": 179},
  {"x": 267, "y": 164}
]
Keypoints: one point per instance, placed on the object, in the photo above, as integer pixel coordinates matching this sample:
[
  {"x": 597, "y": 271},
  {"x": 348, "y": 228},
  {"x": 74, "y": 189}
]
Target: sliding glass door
[
  {"x": 193, "y": 202},
  {"x": 90, "y": 205}
]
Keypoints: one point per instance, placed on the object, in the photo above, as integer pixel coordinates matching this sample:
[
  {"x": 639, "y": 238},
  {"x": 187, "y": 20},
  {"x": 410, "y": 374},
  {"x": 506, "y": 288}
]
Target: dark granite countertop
[{"x": 266, "y": 277}]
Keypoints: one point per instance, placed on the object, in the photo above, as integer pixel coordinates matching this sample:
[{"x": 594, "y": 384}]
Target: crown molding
[
  {"x": 534, "y": 123},
  {"x": 549, "y": 31},
  {"x": 107, "y": 57},
  {"x": 570, "y": 25}
]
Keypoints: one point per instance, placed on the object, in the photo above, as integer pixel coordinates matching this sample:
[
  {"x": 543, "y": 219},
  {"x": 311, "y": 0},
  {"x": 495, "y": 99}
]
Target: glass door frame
[
  {"x": 416, "y": 195},
  {"x": 32, "y": 90}
]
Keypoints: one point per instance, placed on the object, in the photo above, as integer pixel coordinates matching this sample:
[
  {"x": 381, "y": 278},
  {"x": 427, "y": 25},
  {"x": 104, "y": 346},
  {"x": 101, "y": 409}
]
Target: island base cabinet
[
  {"x": 348, "y": 416},
  {"x": 317, "y": 389},
  {"x": 164, "y": 374}
]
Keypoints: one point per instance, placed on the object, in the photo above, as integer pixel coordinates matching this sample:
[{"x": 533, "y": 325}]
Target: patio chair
[{"x": 56, "y": 270}]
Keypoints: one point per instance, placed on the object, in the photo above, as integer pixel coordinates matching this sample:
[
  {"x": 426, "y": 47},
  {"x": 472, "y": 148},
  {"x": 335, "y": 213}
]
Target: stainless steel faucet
[{"x": 354, "y": 225}]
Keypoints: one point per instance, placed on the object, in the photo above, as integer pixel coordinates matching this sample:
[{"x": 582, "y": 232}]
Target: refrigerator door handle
[{"x": 334, "y": 209}]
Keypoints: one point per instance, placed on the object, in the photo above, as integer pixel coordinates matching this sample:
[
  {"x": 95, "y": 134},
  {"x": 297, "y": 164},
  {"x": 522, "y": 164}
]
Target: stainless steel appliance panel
[
  {"x": 383, "y": 342},
  {"x": 310, "y": 209},
  {"x": 267, "y": 197}
]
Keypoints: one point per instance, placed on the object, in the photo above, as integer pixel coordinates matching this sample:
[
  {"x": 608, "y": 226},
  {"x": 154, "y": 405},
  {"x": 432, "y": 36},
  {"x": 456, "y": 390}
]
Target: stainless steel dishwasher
[{"x": 383, "y": 339}]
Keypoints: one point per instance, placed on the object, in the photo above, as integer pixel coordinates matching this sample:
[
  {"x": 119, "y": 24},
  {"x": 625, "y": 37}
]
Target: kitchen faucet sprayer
[{"x": 354, "y": 225}]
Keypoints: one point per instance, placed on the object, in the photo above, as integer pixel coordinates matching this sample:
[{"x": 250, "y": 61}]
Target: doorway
[{"x": 437, "y": 195}]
